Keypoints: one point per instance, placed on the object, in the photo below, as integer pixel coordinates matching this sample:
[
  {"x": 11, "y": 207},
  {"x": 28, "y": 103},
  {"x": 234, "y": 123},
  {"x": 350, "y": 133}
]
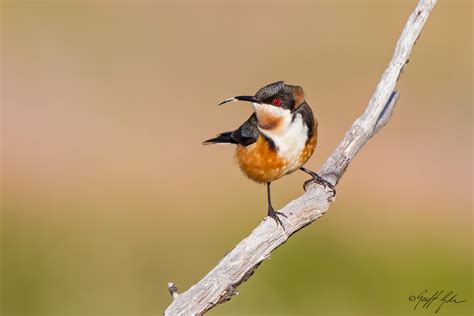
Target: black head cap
[
  {"x": 271, "y": 90},
  {"x": 278, "y": 94},
  {"x": 281, "y": 94}
]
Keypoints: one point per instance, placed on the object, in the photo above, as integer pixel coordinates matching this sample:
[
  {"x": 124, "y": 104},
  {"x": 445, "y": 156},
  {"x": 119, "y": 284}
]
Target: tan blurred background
[{"x": 108, "y": 194}]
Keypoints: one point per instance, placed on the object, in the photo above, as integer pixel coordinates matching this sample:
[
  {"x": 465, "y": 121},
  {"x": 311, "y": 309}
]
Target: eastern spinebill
[{"x": 277, "y": 139}]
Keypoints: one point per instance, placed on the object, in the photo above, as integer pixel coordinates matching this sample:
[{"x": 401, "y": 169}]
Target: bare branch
[
  {"x": 220, "y": 284},
  {"x": 365, "y": 126}
]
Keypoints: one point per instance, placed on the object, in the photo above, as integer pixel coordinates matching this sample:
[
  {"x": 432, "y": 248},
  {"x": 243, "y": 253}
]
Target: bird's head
[{"x": 274, "y": 103}]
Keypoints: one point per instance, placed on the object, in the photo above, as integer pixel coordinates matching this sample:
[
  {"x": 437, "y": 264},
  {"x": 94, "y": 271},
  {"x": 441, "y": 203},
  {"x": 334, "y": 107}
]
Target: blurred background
[{"x": 107, "y": 193}]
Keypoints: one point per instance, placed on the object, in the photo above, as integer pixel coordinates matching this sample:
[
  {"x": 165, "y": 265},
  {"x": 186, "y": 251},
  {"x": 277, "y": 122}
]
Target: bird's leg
[
  {"x": 271, "y": 212},
  {"x": 318, "y": 180}
]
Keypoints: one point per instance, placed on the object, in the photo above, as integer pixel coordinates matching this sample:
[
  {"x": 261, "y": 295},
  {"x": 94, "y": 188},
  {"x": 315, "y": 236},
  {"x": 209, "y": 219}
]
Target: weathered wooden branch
[{"x": 220, "y": 284}]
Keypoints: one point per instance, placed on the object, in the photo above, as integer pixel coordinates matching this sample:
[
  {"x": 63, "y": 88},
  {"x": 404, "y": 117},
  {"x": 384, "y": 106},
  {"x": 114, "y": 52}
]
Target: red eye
[{"x": 276, "y": 102}]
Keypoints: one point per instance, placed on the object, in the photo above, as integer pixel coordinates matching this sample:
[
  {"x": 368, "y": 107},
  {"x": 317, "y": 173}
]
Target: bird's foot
[
  {"x": 316, "y": 178},
  {"x": 274, "y": 214}
]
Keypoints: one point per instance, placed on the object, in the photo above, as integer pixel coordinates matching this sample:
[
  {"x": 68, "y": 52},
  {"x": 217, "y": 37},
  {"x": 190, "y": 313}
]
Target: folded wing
[{"x": 245, "y": 135}]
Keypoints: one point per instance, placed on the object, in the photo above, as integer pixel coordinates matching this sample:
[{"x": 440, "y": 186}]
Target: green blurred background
[{"x": 108, "y": 194}]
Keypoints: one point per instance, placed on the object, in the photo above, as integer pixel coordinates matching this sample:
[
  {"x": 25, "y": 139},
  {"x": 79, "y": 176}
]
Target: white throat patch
[{"x": 290, "y": 137}]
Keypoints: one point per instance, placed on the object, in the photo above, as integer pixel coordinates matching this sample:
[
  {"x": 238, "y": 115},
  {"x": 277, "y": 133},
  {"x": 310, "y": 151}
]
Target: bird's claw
[
  {"x": 321, "y": 181},
  {"x": 274, "y": 214}
]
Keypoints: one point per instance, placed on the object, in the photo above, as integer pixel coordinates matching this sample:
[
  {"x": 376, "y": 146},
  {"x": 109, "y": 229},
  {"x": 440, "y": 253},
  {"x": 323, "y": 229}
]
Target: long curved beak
[{"x": 240, "y": 98}]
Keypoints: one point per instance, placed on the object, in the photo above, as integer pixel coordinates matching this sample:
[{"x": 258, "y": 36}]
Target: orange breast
[
  {"x": 308, "y": 150},
  {"x": 259, "y": 161},
  {"x": 262, "y": 163}
]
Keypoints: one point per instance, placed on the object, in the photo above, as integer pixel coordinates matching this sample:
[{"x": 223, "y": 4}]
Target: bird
[{"x": 277, "y": 139}]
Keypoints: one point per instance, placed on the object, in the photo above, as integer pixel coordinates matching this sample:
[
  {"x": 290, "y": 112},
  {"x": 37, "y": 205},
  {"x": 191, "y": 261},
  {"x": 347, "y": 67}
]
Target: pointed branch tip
[{"x": 173, "y": 289}]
